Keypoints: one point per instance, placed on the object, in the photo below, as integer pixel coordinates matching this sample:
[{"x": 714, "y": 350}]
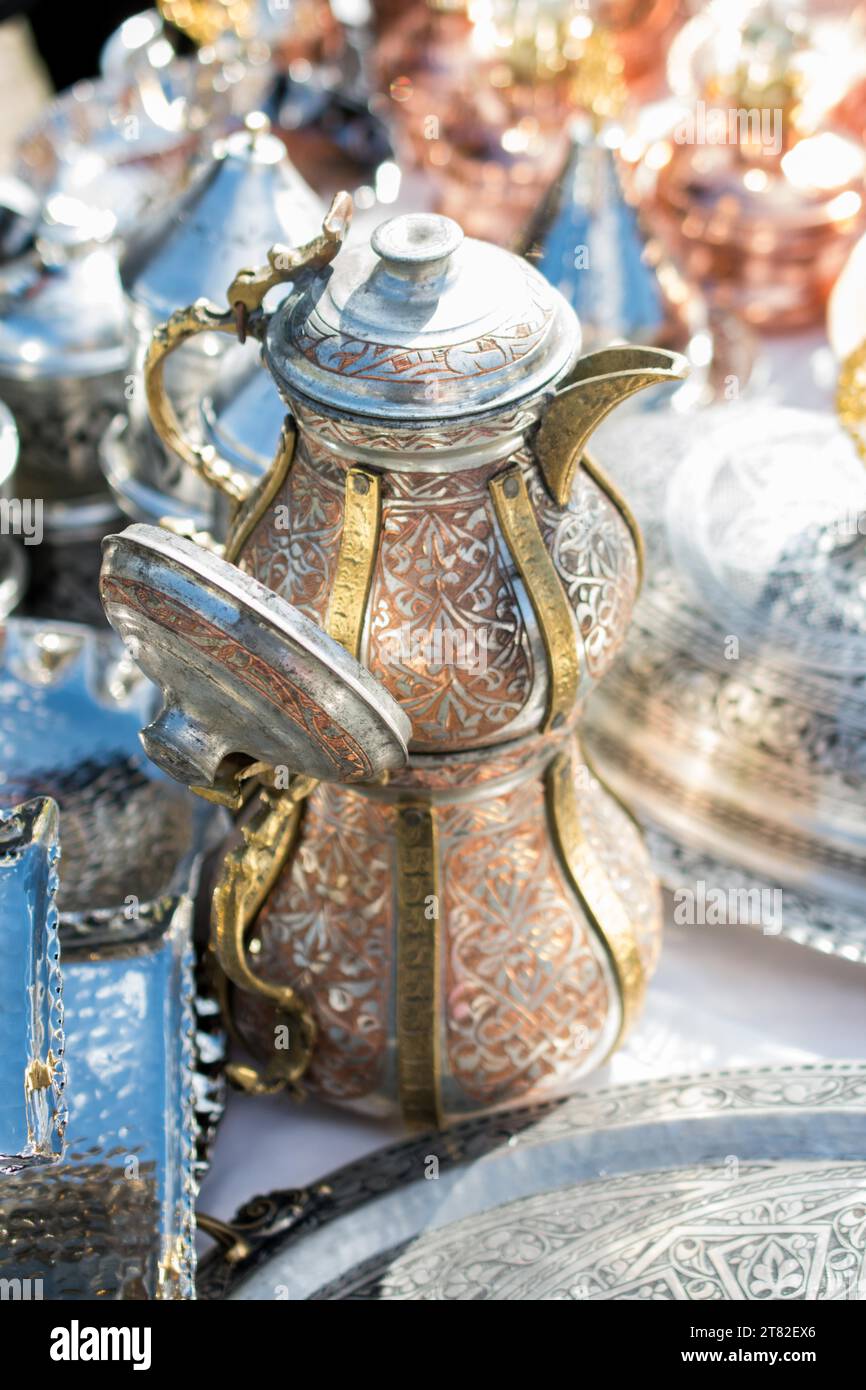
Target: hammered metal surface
[
  {"x": 627, "y": 1193},
  {"x": 114, "y": 1219},
  {"x": 71, "y": 708},
  {"x": 32, "y": 1069}
]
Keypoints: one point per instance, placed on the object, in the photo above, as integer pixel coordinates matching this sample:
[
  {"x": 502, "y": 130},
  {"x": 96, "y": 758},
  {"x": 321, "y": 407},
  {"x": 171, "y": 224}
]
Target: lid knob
[{"x": 417, "y": 245}]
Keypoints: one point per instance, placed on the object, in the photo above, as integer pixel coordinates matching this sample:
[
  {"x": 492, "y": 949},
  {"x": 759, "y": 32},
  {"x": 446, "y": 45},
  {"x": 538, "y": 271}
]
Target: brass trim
[
  {"x": 265, "y": 494},
  {"x": 851, "y": 398},
  {"x": 245, "y": 296},
  {"x": 520, "y": 527},
  {"x": 598, "y": 383},
  {"x": 248, "y": 874},
  {"x": 247, "y": 292},
  {"x": 233, "y": 1243},
  {"x": 359, "y": 546},
  {"x": 203, "y": 459},
  {"x": 39, "y": 1074},
  {"x": 603, "y": 907},
  {"x": 589, "y": 762},
  {"x": 418, "y": 964},
  {"x": 598, "y": 475}
]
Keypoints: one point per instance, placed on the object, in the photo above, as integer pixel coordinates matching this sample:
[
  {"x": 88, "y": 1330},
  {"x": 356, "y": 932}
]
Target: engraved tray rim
[{"x": 270, "y": 1224}]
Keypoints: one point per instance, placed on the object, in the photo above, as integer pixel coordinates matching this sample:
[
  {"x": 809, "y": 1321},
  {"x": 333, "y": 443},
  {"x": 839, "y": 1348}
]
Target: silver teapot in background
[{"x": 247, "y": 194}]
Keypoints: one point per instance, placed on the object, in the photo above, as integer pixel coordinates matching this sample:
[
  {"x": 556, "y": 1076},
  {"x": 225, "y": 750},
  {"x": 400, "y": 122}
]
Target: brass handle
[
  {"x": 248, "y": 874},
  {"x": 235, "y": 1247},
  {"x": 245, "y": 315},
  {"x": 201, "y": 317}
]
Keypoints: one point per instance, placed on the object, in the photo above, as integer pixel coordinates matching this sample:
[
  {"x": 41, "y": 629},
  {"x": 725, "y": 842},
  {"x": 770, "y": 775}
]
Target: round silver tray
[
  {"x": 733, "y": 723},
  {"x": 726, "y": 1185}
]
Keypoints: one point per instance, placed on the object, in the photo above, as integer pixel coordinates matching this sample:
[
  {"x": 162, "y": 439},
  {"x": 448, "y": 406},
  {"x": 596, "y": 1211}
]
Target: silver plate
[
  {"x": 734, "y": 722},
  {"x": 728, "y": 1185},
  {"x": 244, "y": 675}
]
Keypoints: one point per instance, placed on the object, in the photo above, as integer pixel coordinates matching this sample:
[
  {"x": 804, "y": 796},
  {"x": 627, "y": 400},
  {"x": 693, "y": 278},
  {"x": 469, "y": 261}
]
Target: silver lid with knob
[
  {"x": 421, "y": 324},
  {"x": 246, "y": 196},
  {"x": 61, "y": 307}
]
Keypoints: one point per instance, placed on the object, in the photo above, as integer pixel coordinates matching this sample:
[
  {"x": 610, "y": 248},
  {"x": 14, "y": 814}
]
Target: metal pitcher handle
[{"x": 245, "y": 316}]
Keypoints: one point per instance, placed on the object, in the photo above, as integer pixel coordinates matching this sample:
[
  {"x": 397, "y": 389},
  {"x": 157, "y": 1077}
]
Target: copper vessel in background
[
  {"x": 479, "y": 107},
  {"x": 756, "y": 193},
  {"x": 642, "y": 31}
]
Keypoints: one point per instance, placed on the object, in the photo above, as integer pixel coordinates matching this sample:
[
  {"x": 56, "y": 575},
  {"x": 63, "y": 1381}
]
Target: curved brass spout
[{"x": 595, "y": 386}]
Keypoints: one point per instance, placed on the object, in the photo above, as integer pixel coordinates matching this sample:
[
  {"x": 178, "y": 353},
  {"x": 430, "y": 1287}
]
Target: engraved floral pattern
[
  {"x": 388, "y": 363},
  {"x": 294, "y": 548},
  {"x": 327, "y": 930},
  {"x": 778, "y": 1233},
  {"x": 441, "y": 570},
  {"x": 526, "y": 989},
  {"x": 346, "y": 755},
  {"x": 758, "y": 1098},
  {"x": 526, "y": 995},
  {"x": 595, "y": 556},
  {"x": 478, "y": 431}
]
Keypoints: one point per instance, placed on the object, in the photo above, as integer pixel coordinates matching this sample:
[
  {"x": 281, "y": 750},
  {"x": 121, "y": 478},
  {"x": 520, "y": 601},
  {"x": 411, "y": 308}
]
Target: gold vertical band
[
  {"x": 359, "y": 545},
  {"x": 520, "y": 527},
  {"x": 597, "y": 895},
  {"x": 250, "y": 872},
  {"x": 418, "y": 964},
  {"x": 264, "y": 495}
]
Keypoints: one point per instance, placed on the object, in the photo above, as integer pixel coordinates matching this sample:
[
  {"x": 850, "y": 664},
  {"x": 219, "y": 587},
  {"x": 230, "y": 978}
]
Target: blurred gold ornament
[
  {"x": 204, "y": 21},
  {"x": 599, "y": 85},
  {"x": 851, "y": 397}
]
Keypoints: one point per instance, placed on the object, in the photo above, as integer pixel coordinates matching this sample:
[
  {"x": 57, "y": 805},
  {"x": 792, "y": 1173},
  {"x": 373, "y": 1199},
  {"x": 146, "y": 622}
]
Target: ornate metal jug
[{"x": 474, "y": 925}]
